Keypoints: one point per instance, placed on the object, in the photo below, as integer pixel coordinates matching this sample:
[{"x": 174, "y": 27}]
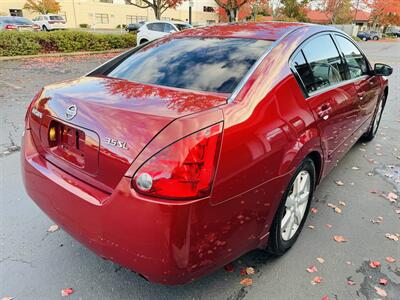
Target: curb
[{"x": 58, "y": 54}]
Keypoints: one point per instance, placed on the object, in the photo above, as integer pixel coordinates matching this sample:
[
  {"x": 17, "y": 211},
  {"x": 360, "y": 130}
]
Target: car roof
[
  {"x": 260, "y": 30},
  {"x": 168, "y": 21}
]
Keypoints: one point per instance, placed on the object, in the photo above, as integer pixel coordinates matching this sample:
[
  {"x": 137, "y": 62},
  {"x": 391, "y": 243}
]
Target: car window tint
[
  {"x": 303, "y": 69},
  {"x": 56, "y": 18},
  {"x": 168, "y": 27},
  {"x": 205, "y": 64},
  {"x": 156, "y": 27},
  {"x": 357, "y": 65},
  {"x": 325, "y": 64}
]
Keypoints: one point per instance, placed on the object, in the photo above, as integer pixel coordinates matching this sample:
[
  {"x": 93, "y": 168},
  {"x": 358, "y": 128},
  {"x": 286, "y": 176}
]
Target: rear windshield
[
  {"x": 16, "y": 21},
  {"x": 204, "y": 64},
  {"x": 56, "y": 18}
]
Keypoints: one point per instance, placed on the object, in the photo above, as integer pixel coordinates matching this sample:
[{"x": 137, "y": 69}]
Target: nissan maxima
[{"x": 182, "y": 154}]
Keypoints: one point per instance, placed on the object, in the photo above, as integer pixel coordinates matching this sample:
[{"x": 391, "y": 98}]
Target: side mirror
[{"x": 382, "y": 70}]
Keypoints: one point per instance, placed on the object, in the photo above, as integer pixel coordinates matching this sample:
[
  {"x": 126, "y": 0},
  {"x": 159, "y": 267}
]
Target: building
[{"x": 108, "y": 14}]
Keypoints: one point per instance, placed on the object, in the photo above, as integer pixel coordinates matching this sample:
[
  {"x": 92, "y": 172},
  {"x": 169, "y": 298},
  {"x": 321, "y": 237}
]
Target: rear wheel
[
  {"x": 292, "y": 213},
  {"x": 375, "y": 38},
  {"x": 44, "y": 28},
  {"x": 370, "y": 134}
]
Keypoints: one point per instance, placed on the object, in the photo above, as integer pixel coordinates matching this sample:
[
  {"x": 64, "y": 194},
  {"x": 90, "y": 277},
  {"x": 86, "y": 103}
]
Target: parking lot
[{"x": 37, "y": 264}]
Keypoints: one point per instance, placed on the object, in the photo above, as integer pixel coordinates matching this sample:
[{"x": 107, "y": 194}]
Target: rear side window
[
  {"x": 156, "y": 27},
  {"x": 56, "y": 18},
  {"x": 204, "y": 64},
  {"x": 168, "y": 27},
  {"x": 356, "y": 63},
  {"x": 319, "y": 64}
]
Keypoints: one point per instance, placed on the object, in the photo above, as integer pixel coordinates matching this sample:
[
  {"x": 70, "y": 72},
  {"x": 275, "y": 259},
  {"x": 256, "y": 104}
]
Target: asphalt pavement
[{"x": 37, "y": 264}]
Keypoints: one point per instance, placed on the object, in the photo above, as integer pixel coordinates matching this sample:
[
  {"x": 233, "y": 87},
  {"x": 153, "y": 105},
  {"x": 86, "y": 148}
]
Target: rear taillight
[
  {"x": 10, "y": 27},
  {"x": 184, "y": 169},
  {"x": 31, "y": 107},
  {"x": 36, "y": 27}
]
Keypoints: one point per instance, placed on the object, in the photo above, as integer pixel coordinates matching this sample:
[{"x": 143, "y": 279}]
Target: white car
[
  {"x": 50, "y": 22},
  {"x": 154, "y": 30}
]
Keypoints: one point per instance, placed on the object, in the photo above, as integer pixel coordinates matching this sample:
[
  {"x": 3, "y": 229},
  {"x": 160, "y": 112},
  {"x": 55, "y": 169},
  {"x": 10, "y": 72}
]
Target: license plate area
[{"x": 67, "y": 144}]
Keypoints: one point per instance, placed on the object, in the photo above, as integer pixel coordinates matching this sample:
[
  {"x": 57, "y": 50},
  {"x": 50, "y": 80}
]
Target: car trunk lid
[{"x": 94, "y": 127}]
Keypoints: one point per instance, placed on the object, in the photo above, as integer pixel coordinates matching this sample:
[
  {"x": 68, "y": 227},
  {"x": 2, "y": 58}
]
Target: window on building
[
  {"x": 208, "y": 9},
  {"x": 139, "y": 2},
  {"x": 210, "y": 22},
  {"x": 130, "y": 19},
  {"x": 16, "y": 12},
  {"x": 101, "y": 18},
  {"x": 106, "y": 1}
]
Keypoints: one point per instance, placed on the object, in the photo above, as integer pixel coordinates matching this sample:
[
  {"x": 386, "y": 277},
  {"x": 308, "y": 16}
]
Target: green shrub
[{"x": 25, "y": 43}]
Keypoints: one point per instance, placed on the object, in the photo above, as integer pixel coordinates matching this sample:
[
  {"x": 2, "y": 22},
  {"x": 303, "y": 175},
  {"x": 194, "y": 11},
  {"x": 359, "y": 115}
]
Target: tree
[
  {"x": 158, "y": 6},
  {"x": 43, "y": 6},
  {"x": 249, "y": 10},
  {"x": 231, "y": 8},
  {"x": 386, "y": 12},
  {"x": 294, "y": 10},
  {"x": 340, "y": 11}
]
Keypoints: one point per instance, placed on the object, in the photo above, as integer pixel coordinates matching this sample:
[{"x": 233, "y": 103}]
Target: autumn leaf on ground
[
  {"x": 325, "y": 298},
  {"x": 374, "y": 264},
  {"x": 311, "y": 226},
  {"x": 338, "y": 210},
  {"x": 383, "y": 281},
  {"x": 246, "y": 281},
  {"x": 312, "y": 269},
  {"x": 377, "y": 221},
  {"x": 348, "y": 263},
  {"x": 320, "y": 260},
  {"x": 390, "y": 259},
  {"x": 316, "y": 280},
  {"x": 339, "y": 182},
  {"x": 339, "y": 239},
  {"x": 229, "y": 268},
  {"x": 350, "y": 281},
  {"x": 342, "y": 203},
  {"x": 67, "y": 291},
  {"x": 250, "y": 271},
  {"x": 329, "y": 226},
  {"x": 380, "y": 292},
  {"x": 314, "y": 210},
  {"x": 392, "y": 237},
  {"x": 374, "y": 191},
  {"x": 7, "y": 298},
  {"x": 355, "y": 168},
  {"x": 392, "y": 197},
  {"x": 53, "y": 228},
  {"x": 397, "y": 211}
]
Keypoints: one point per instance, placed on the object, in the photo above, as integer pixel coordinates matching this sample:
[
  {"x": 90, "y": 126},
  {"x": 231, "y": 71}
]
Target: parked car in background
[
  {"x": 17, "y": 24},
  {"x": 133, "y": 27},
  {"x": 393, "y": 31},
  {"x": 50, "y": 22},
  {"x": 368, "y": 35},
  {"x": 177, "y": 157},
  {"x": 154, "y": 30}
]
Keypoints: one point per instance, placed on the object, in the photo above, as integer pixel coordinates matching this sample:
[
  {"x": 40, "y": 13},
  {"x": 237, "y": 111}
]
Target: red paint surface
[{"x": 267, "y": 131}]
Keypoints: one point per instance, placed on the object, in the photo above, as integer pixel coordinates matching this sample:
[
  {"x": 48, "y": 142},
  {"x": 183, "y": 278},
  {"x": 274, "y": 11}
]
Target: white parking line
[{"x": 11, "y": 85}]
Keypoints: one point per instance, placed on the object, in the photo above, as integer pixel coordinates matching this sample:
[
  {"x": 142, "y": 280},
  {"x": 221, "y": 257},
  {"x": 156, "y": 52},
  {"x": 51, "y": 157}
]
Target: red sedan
[{"x": 179, "y": 156}]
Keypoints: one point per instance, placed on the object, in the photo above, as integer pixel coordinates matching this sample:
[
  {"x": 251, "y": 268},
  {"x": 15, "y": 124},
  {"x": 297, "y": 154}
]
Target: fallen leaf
[
  {"x": 67, "y": 291},
  {"x": 53, "y": 228},
  {"x": 397, "y": 211},
  {"x": 316, "y": 280},
  {"x": 311, "y": 226},
  {"x": 331, "y": 205},
  {"x": 380, "y": 292},
  {"x": 355, "y": 168},
  {"x": 229, "y": 268},
  {"x": 342, "y": 203},
  {"x": 350, "y": 282},
  {"x": 338, "y": 210},
  {"x": 348, "y": 263},
  {"x": 383, "y": 281},
  {"x": 339, "y": 239},
  {"x": 242, "y": 271},
  {"x": 325, "y": 298},
  {"x": 250, "y": 271},
  {"x": 374, "y": 191},
  {"x": 339, "y": 182},
  {"x": 393, "y": 195},
  {"x": 329, "y": 226},
  {"x": 320, "y": 260},
  {"x": 312, "y": 269},
  {"x": 370, "y": 174},
  {"x": 374, "y": 264},
  {"x": 314, "y": 210},
  {"x": 246, "y": 281},
  {"x": 392, "y": 237},
  {"x": 390, "y": 259},
  {"x": 7, "y": 298}
]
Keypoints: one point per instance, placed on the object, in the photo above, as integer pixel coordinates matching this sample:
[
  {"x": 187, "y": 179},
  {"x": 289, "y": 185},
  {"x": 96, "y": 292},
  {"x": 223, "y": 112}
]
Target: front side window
[
  {"x": 356, "y": 63},
  {"x": 319, "y": 65},
  {"x": 156, "y": 27},
  {"x": 168, "y": 27},
  {"x": 203, "y": 64}
]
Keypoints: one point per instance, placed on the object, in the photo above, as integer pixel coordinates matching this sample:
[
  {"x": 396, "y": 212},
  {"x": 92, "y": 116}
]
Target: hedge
[{"x": 30, "y": 43}]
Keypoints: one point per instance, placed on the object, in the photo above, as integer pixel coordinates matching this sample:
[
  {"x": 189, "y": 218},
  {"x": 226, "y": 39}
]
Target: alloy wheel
[{"x": 296, "y": 205}]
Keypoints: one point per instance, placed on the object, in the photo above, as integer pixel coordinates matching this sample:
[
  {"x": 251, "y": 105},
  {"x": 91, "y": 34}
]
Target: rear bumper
[{"x": 166, "y": 242}]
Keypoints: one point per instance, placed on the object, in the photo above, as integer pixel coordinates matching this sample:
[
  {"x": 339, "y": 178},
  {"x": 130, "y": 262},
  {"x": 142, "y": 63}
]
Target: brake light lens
[
  {"x": 10, "y": 27},
  {"x": 30, "y": 107},
  {"x": 183, "y": 170}
]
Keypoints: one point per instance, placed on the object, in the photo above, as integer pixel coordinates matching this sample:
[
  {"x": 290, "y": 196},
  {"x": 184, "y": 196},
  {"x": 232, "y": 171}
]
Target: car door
[
  {"x": 331, "y": 97},
  {"x": 366, "y": 83}
]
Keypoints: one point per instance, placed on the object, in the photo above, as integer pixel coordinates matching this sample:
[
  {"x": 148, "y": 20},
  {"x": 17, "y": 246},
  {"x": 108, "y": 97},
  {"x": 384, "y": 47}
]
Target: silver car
[{"x": 17, "y": 24}]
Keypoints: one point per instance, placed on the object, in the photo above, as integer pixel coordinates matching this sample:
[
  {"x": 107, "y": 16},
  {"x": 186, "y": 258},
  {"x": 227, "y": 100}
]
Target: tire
[
  {"x": 373, "y": 129},
  {"x": 375, "y": 38},
  {"x": 280, "y": 239},
  {"x": 45, "y": 28}
]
